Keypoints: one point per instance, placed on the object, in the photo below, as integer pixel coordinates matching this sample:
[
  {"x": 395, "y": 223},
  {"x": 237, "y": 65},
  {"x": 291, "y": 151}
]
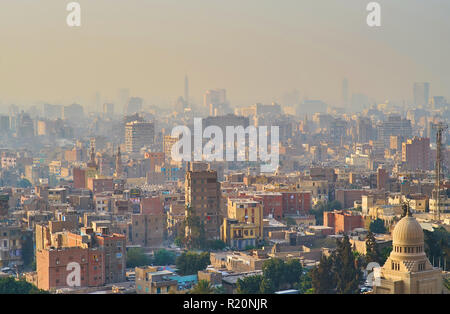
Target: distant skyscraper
[
  {"x": 124, "y": 96},
  {"x": 134, "y": 105},
  {"x": 421, "y": 93},
  {"x": 74, "y": 112},
  {"x": 345, "y": 100},
  {"x": 108, "y": 110},
  {"x": 217, "y": 102},
  {"x": 186, "y": 91}
]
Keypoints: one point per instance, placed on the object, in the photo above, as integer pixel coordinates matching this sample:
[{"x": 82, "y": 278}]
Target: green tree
[
  {"x": 305, "y": 284},
  {"x": 372, "y": 252},
  {"x": 346, "y": 269},
  {"x": 136, "y": 257},
  {"x": 267, "y": 286},
  {"x": 164, "y": 257},
  {"x": 215, "y": 245},
  {"x": 323, "y": 279},
  {"x": 385, "y": 252},
  {"x": 377, "y": 226},
  {"x": 249, "y": 285},
  {"x": 321, "y": 207},
  {"x": 202, "y": 287},
  {"x": 275, "y": 273},
  {"x": 196, "y": 237},
  {"x": 293, "y": 272},
  {"x": 10, "y": 285},
  {"x": 190, "y": 263},
  {"x": 437, "y": 246}
]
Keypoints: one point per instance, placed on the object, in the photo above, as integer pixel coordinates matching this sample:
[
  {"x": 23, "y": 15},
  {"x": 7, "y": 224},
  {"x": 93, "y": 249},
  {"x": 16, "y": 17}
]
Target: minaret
[
  {"x": 92, "y": 162},
  {"x": 119, "y": 170}
]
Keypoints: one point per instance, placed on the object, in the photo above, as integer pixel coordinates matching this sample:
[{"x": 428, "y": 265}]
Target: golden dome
[{"x": 408, "y": 232}]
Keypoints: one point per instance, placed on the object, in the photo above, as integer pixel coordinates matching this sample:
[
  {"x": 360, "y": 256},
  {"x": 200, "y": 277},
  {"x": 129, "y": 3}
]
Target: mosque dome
[{"x": 408, "y": 232}]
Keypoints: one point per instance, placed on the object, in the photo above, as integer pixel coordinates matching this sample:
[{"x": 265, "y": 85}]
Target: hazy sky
[{"x": 256, "y": 49}]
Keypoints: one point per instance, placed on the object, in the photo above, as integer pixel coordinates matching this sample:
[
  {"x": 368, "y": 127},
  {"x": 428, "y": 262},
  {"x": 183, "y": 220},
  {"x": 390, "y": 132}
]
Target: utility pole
[{"x": 440, "y": 128}]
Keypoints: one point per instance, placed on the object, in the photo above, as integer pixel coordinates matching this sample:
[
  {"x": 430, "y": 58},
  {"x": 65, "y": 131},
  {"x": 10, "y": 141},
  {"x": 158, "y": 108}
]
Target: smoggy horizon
[{"x": 256, "y": 50}]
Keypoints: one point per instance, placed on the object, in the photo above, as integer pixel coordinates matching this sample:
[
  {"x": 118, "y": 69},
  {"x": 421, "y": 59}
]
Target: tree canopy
[
  {"x": 190, "y": 263},
  {"x": 136, "y": 257},
  {"x": 321, "y": 207},
  {"x": 164, "y": 257},
  {"x": 202, "y": 287},
  {"x": 10, "y": 285},
  {"x": 277, "y": 275},
  {"x": 372, "y": 252},
  {"x": 339, "y": 273},
  {"x": 437, "y": 246},
  {"x": 377, "y": 226},
  {"x": 322, "y": 276},
  {"x": 196, "y": 237}
]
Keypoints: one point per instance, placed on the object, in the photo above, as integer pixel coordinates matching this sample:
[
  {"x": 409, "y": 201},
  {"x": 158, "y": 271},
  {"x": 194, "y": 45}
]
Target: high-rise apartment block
[
  {"x": 394, "y": 126},
  {"x": 416, "y": 153},
  {"x": 203, "y": 196},
  {"x": 138, "y": 135}
]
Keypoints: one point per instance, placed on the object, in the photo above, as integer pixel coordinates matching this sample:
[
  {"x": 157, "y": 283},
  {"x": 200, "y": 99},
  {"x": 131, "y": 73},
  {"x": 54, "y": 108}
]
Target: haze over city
[{"x": 258, "y": 50}]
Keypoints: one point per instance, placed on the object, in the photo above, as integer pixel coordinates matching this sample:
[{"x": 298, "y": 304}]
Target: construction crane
[{"x": 440, "y": 128}]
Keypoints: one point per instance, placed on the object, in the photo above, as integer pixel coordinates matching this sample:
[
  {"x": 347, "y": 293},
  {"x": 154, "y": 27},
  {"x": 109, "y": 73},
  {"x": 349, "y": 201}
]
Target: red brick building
[
  {"x": 342, "y": 221},
  {"x": 272, "y": 204},
  {"x": 296, "y": 202},
  {"x": 56, "y": 267}
]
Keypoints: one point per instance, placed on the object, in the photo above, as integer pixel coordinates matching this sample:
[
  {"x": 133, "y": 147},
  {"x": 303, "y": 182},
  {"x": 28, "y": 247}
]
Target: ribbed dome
[{"x": 408, "y": 232}]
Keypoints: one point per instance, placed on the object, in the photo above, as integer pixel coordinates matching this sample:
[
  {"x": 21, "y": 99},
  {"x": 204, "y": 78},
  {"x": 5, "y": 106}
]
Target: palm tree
[{"x": 202, "y": 287}]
